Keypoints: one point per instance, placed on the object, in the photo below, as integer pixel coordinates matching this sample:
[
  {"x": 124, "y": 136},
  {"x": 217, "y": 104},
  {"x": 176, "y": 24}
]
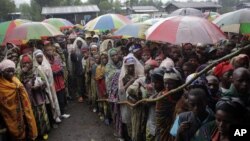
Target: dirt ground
[{"x": 83, "y": 125}]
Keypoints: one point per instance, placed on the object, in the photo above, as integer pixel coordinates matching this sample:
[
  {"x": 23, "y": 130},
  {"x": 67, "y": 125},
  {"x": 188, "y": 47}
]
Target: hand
[{"x": 184, "y": 126}]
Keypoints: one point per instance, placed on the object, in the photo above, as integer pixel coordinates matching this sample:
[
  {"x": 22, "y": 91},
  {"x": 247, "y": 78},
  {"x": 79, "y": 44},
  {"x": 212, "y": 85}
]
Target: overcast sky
[{"x": 27, "y": 1}]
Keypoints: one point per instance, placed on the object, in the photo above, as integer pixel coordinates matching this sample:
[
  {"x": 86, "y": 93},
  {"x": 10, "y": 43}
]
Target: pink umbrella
[{"x": 185, "y": 29}]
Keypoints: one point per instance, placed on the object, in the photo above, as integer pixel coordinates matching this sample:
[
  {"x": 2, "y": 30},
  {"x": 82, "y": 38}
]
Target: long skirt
[
  {"x": 42, "y": 120},
  {"x": 139, "y": 121}
]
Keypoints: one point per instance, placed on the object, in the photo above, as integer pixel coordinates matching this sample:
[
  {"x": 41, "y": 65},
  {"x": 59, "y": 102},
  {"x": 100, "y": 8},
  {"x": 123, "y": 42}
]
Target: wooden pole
[{"x": 209, "y": 67}]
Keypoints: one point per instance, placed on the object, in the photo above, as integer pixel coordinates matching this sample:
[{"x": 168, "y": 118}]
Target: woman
[
  {"x": 131, "y": 70},
  {"x": 57, "y": 69},
  {"x": 165, "y": 107},
  {"x": 35, "y": 84},
  {"x": 40, "y": 62},
  {"x": 101, "y": 86},
  {"x": 229, "y": 112},
  {"x": 112, "y": 72},
  {"x": 15, "y": 105},
  {"x": 106, "y": 45}
]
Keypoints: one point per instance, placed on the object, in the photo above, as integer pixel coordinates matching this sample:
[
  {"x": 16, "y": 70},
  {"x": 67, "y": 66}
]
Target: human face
[
  {"x": 213, "y": 85},
  {"x": 95, "y": 40},
  {"x": 223, "y": 121},
  {"x": 170, "y": 84},
  {"x": 158, "y": 85},
  {"x": 26, "y": 66},
  {"x": 138, "y": 54},
  {"x": 109, "y": 45},
  {"x": 104, "y": 59},
  {"x": 39, "y": 59},
  {"x": 8, "y": 73},
  {"x": 188, "y": 49},
  {"x": 193, "y": 61},
  {"x": 94, "y": 51},
  {"x": 175, "y": 53},
  {"x": 79, "y": 44},
  {"x": 49, "y": 51},
  {"x": 145, "y": 56},
  {"x": 187, "y": 70},
  {"x": 242, "y": 82},
  {"x": 200, "y": 50},
  {"x": 131, "y": 69},
  {"x": 114, "y": 57},
  {"x": 226, "y": 78},
  {"x": 159, "y": 60},
  {"x": 196, "y": 105}
]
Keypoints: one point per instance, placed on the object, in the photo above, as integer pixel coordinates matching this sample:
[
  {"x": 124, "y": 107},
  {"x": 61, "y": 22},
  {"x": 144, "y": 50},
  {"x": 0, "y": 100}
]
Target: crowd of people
[{"x": 39, "y": 78}]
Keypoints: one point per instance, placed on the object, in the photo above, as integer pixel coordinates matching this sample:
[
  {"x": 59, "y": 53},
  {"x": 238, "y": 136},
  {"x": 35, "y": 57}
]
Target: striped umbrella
[
  {"x": 59, "y": 23},
  {"x": 7, "y": 27},
  {"x": 185, "y": 29},
  {"x": 236, "y": 21},
  {"x": 33, "y": 30},
  {"x": 136, "y": 30},
  {"x": 107, "y": 22}
]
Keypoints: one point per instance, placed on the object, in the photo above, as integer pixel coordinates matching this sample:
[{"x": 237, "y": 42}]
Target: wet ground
[{"x": 83, "y": 125}]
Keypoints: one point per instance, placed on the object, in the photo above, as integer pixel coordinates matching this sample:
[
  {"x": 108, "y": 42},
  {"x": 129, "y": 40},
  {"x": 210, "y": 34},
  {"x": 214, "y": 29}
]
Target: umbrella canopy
[
  {"x": 187, "y": 12},
  {"x": 107, "y": 22},
  {"x": 211, "y": 15},
  {"x": 7, "y": 27},
  {"x": 153, "y": 21},
  {"x": 236, "y": 22},
  {"x": 33, "y": 30},
  {"x": 136, "y": 30},
  {"x": 185, "y": 29},
  {"x": 59, "y": 23}
]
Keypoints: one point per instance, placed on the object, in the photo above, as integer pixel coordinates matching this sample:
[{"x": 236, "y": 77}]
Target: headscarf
[
  {"x": 45, "y": 69},
  {"x": 6, "y": 63},
  {"x": 173, "y": 74},
  {"x": 221, "y": 68},
  {"x": 167, "y": 63},
  {"x": 135, "y": 48},
  {"x": 157, "y": 74},
  {"x": 84, "y": 44},
  {"x": 26, "y": 59},
  {"x": 237, "y": 59},
  {"x": 200, "y": 82},
  {"x": 139, "y": 69},
  {"x": 104, "y": 45}
]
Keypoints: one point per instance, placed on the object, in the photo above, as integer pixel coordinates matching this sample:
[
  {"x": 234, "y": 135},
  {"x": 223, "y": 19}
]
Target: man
[
  {"x": 188, "y": 123},
  {"x": 240, "y": 86}
]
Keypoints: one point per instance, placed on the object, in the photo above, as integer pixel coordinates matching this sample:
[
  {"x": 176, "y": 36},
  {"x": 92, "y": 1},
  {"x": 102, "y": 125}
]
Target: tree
[
  {"x": 105, "y": 7},
  {"x": 25, "y": 10},
  {"x": 6, "y": 7}
]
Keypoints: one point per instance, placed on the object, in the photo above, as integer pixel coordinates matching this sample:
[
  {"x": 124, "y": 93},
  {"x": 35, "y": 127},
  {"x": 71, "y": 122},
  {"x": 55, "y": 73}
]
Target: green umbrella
[{"x": 235, "y": 22}]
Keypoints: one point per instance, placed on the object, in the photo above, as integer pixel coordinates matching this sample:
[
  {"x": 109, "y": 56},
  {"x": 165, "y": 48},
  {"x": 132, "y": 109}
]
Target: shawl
[{"x": 15, "y": 108}]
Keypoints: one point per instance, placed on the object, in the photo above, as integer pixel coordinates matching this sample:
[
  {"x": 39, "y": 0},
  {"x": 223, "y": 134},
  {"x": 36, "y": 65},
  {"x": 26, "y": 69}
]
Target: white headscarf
[
  {"x": 6, "y": 63},
  {"x": 139, "y": 72}
]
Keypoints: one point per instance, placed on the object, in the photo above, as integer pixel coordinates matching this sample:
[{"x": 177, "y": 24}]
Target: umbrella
[
  {"x": 152, "y": 21},
  {"x": 136, "y": 30},
  {"x": 211, "y": 15},
  {"x": 33, "y": 30},
  {"x": 7, "y": 27},
  {"x": 59, "y": 23},
  {"x": 185, "y": 29},
  {"x": 236, "y": 22},
  {"x": 187, "y": 12},
  {"x": 107, "y": 22}
]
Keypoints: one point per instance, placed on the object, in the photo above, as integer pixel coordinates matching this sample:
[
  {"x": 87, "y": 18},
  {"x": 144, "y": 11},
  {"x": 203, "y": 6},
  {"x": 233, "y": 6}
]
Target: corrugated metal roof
[
  {"x": 194, "y": 4},
  {"x": 70, "y": 9},
  {"x": 145, "y": 9}
]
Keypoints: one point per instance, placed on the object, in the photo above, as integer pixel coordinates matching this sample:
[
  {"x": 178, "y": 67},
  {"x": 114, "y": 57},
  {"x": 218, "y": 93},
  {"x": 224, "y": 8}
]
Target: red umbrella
[{"x": 185, "y": 29}]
